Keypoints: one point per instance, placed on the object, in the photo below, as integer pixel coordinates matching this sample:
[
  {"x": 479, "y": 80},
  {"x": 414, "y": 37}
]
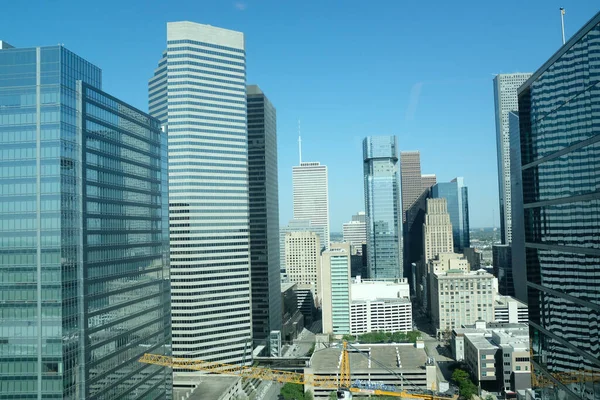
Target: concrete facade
[
  {"x": 311, "y": 195},
  {"x": 303, "y": 260}
]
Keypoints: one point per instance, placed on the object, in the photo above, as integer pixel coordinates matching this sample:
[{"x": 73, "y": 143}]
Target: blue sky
[{"x": 348, "y": 69}]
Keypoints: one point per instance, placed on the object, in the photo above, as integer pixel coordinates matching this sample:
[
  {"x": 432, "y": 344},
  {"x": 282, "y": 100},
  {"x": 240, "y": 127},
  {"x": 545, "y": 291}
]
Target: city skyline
[{"x": 333, "y": 120}]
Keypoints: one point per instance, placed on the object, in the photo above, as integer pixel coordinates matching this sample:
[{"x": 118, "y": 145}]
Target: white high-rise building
[
  {"x": 311, "y": 195},
  {"x": 355, "y": 232},
  {"x": 505, "y": 101},
  {"x": 199, "y": 92}
]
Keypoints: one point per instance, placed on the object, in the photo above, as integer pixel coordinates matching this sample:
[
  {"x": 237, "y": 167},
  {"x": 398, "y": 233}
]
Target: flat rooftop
[
  {"x": 481, "y": 343},
  {"x": 210, "y": 387},
  {"x": 286, "y": 286},
  {"x": 383, "y": 357}
]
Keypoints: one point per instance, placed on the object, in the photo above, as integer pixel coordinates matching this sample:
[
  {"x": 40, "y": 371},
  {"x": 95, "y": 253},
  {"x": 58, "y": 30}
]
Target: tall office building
[
  {"x": 382, "y": 205},
  {"x": 559, "y": 116},
  {"x": 410, "y": 178},
  {"x": 297, "y": 225},
  {"x": 303, "y": 260},
  {"x": 413, "y": 239},
  {"x": 502, "y": 264},
  {"x": 428, "y": 180},
  {"x": 311, "y": 195},
  {"x": 335, "y": 289},
  {"x": 437, "y": 229},
  {"x": 505, "y": 101},
  {"x": 199, "y": 91},
  {"x": 83, "y": 235},
  {"x": 264, "y": 214},
  {"x": 458, "y": 207},
  {"x": 360, "y": 216}
]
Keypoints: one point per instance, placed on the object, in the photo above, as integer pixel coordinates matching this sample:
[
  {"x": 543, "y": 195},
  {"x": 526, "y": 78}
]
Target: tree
[
  {"x": 294, "y": 391},
  {"x": 465, "y": 386}
]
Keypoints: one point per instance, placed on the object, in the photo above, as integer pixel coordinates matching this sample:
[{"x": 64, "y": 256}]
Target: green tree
[{"x": 293, "y": 391}]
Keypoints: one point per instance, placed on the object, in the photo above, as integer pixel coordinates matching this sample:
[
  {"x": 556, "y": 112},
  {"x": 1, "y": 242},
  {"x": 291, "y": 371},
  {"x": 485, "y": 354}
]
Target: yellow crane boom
[{"x": 325, "y": 382}]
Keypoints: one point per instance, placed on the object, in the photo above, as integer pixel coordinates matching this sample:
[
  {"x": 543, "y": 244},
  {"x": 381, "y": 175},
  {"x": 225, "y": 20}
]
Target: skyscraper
[
  {"x": 311, "y": 195},
  {"x": 264, "y": 214},
  {"x": 303, "y": 260},
  {"x": 410, "y": 174},
  {"x": 199, "y": 90},
  {"x": 457, "y": 195},
  {"x": 335, "y": 289},
  {"x": 559, "y": 116},
  {"x": 437, "y": 229},
  {"x": 382, "y": 205},
  {"x": 83, "y": 235},
  {"x": 505, "y": 101},
  {"x": 297, "y": 225},
  {"x": 428, "y": 180}
]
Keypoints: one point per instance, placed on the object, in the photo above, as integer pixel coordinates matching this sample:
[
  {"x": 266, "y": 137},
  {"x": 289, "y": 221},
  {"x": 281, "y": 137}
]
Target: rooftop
[
  {"x": 210, "y": 387},
  {"x": 287, "y": 286},
  {"x": 480, "y": 342},
  {"x": 383, "y": 357}
]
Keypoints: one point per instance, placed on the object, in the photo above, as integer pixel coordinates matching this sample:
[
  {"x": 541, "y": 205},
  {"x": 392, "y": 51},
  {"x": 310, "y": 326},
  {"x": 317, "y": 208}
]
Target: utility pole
[{"x": 562, "y": 23}]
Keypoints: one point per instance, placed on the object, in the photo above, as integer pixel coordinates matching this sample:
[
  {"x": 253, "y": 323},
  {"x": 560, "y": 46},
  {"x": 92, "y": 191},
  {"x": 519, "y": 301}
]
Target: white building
[
  {"x": 505, "y": 100},
  {"x": 510, "y": 310},
  {"x": 461, "y": 298},
  {"x": 380, "y": 306},
  {"x": 296, "y": 225},
  {"x": 355, "y": 231},
  {"x": 208, "y": 189},
  {"x": 311, "y": 195}
]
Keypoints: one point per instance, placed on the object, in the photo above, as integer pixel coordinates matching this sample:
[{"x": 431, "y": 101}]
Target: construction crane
[{"x": 342, "y": 385}]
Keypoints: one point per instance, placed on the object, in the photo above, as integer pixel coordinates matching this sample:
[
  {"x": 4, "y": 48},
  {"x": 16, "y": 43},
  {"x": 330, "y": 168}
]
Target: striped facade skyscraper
[
  {"x": 311, "y": 195},
  {"x": 199, "y": 91},
  {"x": 411, "y": 181}
]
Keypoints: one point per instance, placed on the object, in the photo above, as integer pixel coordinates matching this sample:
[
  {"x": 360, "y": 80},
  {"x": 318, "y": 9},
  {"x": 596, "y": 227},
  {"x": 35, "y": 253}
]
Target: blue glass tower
[
  {"x": 457, "y": 195},
  {"x": 84, "y": 281},
  {"x": 382, "y": 205}
]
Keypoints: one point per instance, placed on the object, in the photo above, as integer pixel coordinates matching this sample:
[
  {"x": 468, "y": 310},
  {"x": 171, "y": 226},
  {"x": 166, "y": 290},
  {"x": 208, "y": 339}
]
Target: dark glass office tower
[
  {"x": 457, "y": 195},
  {"x": 84, "y": 280},
  {"x": 264, "y": 214},
  {"x": 559, "y": 118},
  {"x": 383, "y": 209}
]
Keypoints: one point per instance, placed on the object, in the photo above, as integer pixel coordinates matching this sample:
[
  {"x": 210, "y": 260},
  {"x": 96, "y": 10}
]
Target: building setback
[
  {"x": 559, "y": 118},
  {"x": 383, "y": 209},
  {"x": 83, "y": 234},
  {"x": 505, "y": 101},
  {"x": 264, "y": 215},
  {"x": 311, "y": 195},
  {"x": 208, "y": 189}
]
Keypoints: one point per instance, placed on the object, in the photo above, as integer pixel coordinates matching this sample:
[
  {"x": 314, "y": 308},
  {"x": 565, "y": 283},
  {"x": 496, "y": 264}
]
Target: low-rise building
[
  {"x": 510, "y": 310},
  {"x": 461, "y": 298},
  {"x": 380, "y": 306},
  {"x": 389, "y": 364},
  {"x": 496, "y": 354}
]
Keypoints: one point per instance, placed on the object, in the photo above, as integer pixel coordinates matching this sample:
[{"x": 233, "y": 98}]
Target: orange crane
[{"x": 342, "y": 384}]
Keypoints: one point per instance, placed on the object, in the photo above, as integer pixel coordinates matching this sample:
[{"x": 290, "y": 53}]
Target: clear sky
[{"x": 348, "y": 69}]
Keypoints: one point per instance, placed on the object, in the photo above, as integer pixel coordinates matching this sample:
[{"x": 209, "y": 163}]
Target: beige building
[
  {"x": 428, "y": 180},
  {"x": 460, "y": 298},
  {"x": 335, "y": 289},
  {"x": 303, "y": 260},
  {"x": 437, "y": 229}
]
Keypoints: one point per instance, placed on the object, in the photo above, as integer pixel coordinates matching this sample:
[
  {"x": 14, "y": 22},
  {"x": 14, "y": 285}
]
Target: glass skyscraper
[
  {"x": 84, "y": 280},
  {"x": 264, "y": 214},
  {"x": 457, "y": 195},
  {"x": 382, "y": 205},
  {"x": 199, "y": 91},
  {"x": 559, "y": 118}
]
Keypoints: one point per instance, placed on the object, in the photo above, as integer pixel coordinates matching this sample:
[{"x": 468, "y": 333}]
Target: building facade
[
  {"x": 335, "y": 289},
  {"x": 457, "y": 195},
  {"x": 505, "y": 101},
  {"x": 201, "y": 76},
  {"x": 84, "y": 266},
  {"x": 410, "y": 179},
  {"x": 502, "y": 264},
  {"x": 437, "y": 229},
  {"x": 414, "y": 240},
  {"x": 428, "y": 180},
  {"x": 311, "y": 195},
  {"x": 303, "y": 260},
  {"x": 297, "y": 225},
  {"x": 510, "y": 310},
  {"x": 383, "y": 209},
  {"x": 264, "y": 214},
  {"x": 355, "y": 232},
  {"x": 461, "y": 298},
  {"x": 560, "y": 143}
]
